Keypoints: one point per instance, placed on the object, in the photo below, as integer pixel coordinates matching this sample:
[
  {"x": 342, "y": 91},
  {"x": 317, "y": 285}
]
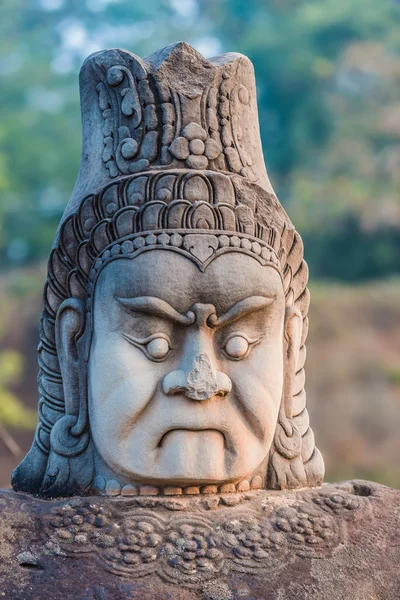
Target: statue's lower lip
[{"x": 194, "y": 429}]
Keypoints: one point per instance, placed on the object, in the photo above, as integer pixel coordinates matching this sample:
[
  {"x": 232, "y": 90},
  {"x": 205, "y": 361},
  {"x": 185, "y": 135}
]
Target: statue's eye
[
  {"x": 237, "y": 347},
  {"x": 158, "y": 348}
]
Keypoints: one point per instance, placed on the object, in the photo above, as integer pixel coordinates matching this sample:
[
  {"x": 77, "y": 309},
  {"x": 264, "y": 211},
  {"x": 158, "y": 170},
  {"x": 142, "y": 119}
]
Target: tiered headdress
[{"x": 171, "y": 159}]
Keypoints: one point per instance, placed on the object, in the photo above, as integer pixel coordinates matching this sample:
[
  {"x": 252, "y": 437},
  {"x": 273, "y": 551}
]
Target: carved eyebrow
[
  {"x": 240, "y": 309},
  {"x": 156, "y": 306}
]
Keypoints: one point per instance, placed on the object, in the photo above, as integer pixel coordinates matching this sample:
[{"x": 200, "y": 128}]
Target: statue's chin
[{"x": 185, "y": 455}]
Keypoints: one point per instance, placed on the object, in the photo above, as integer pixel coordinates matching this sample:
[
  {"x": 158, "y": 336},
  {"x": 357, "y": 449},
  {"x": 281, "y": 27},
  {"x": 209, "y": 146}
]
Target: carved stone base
[{"x": 340, "y": 541}]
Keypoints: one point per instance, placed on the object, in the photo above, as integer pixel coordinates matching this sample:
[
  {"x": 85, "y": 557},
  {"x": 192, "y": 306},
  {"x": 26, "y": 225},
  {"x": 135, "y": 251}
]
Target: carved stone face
[{"x": 186, "y": 368}]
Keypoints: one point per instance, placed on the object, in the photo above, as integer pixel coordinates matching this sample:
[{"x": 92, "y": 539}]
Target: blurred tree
[
  {"x": 328, "y": 74},
  {"x": 12, "y": 412},
  {"x": 42, "y": 45}
]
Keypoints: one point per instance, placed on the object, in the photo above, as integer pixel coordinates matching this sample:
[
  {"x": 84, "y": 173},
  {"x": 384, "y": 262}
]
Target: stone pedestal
[{"x": 336, "y": 542}]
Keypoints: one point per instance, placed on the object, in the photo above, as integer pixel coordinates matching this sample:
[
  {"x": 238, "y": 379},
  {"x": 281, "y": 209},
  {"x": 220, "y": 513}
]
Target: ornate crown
[{"x": 174, "y": 109}]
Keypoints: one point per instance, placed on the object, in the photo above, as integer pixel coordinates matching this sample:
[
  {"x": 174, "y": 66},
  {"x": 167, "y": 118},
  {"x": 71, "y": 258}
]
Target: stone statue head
[{"x": 175, "y": 308}]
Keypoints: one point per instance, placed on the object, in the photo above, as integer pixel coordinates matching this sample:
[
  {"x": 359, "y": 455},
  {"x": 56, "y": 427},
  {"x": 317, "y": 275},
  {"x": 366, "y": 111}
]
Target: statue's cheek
[
  {"x": 257, "y": 385},
  {"x": 258, "y": 380},
  {"x": 118, "y": 395},
  {"x": 258, "y": 397}
]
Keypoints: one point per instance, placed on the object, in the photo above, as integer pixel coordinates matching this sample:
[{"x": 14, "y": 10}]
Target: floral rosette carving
[
  {"x": 306, "y": 531},
  {"x": 195, "y": 147},
  {"x": 190, "y": 549},
  {"x": 137, "y": 547},
  {"x": 254, "y": 544},
  {"x": 77, "y": 528},
  {"x": 192, "y": 552},
  {"x": 339, "y": 503}
]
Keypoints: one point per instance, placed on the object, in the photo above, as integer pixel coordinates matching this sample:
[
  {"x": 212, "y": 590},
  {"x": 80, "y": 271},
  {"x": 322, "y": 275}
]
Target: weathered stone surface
[{"x": 340, "y": 541}]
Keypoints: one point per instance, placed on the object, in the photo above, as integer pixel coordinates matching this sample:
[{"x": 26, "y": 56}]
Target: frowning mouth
[{"x": 190, "y": 430}]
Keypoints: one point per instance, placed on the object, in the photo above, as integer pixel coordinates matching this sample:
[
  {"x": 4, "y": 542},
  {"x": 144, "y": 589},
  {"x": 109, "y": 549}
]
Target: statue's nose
[{"x": 201, "y": 383}]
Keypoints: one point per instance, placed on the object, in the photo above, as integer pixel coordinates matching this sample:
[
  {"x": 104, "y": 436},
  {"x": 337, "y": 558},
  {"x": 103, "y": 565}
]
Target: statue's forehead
[{"x": 176, "y": 279}]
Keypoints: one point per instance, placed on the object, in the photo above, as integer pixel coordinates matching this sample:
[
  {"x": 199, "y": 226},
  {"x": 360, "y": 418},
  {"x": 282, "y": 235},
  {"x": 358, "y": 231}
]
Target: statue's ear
[
  {"x": 68, "y": 469},
  {"x": 286, "y": 468},
  {"x": 69, "y": 434},
  {"x": 292, "y": 342},
  {"x": 70, "y": 324}
]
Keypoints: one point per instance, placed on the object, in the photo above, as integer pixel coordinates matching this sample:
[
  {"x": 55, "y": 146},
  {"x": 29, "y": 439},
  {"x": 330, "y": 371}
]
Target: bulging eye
[
  {"x": 158, "y": 348},
  {"x": 237, "y": 347}
]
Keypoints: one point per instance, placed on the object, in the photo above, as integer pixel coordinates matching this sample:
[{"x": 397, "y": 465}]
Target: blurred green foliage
[
  {"x": 328, "y": 76},
  {"x": 12, "y": 412}
]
